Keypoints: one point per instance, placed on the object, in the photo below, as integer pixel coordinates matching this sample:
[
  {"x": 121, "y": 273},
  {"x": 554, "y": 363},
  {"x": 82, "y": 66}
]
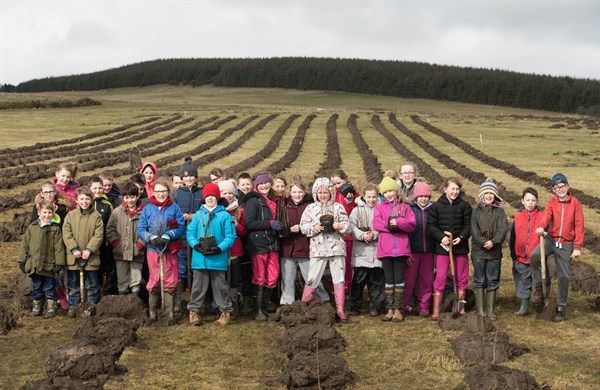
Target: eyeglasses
[
  {"x": 560, "y": 187},
  {"x": 161, "y": 192},
  {"x": 407, "y": 173},
  {"x": 48, "y": 192}
]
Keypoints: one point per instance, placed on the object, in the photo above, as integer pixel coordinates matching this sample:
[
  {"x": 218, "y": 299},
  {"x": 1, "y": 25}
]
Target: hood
[
  {"x": 320, "y": 182},
  {"x": 153, "y": 166}
]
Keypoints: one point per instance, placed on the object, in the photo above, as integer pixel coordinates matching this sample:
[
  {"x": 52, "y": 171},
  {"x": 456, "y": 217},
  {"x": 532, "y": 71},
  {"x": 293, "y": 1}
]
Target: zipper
[
  {"x": 423, "y": 230},
  {"x": 562, "y": 219},
  {"x": 527, "y": 237}
]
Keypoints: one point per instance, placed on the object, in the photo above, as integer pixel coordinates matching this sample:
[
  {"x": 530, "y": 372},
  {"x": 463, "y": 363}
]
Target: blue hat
[{"x": 559, "y": 178}]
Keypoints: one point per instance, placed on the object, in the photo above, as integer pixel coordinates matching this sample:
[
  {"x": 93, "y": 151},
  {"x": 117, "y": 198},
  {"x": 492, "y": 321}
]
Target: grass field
[{"x": 415, "y": 354}]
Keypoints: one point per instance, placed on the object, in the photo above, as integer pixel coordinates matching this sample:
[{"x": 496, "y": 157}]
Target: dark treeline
[{"x": 391, "y": 78}]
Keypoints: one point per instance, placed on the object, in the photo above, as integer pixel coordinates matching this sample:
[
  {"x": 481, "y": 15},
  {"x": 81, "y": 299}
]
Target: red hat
[
  {"x": 211, "y": 189},
  {"x": 421, "y": 189}
]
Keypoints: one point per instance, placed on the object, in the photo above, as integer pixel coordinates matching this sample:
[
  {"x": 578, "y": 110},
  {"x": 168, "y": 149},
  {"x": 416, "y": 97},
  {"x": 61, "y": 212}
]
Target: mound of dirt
[
  {"x": 597, "y": 304},
  {"x": 66, "y": 383},
  {"x": 312, "y": 338},
  {"x": 495, "y": 377},
  {"x": 79, "y": 360},
  {"x": 308, "y": 370},
  {"x": 20, "y": 292},
  {"x": 470, "y": 323},
  {"x": 123, "y": 306},
  {"x": 478, "y": 348},
  {"x": 449, "y": 297},
  {"x": 584, "y": 277},
  {"x": 7, "y": 321},
  {"x": 110, "y": 333},
  {"x": 12, "y": 231},
  {"x": 299, "y": 312}
]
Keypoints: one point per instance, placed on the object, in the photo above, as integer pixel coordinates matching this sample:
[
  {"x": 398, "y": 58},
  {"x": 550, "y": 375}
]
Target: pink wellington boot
[
  {"x": 340, "y": 298},
  {"x": 309, "y": 294}
]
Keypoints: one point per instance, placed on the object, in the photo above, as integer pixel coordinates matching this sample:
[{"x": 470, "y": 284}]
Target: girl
[
  {"x": 523, "y": 241},
  {"x": 488, "y": 229},
  {"x": 216, "y": 175},
  {"x": 209, "y": 263},
  {"x": 150, "y": 173},
  {"x": 422, "y": 245},
  {"x": 394, "y": 220},
  {"x": 279, "y": 186},
  {"x": 325, "y": 222},
  {"x": 450, "y": 214},
  {"x": 50, "y": 194},
  {"x": 64, "y": 180},
  {"x": 263, "y": 243},
  {"x": 160, "y": 227},
  {"x": 295, "y": 247}
]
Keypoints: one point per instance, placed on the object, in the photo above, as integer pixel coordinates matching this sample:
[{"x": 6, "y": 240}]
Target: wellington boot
[
  {"x": 397, "y": 317},
  {"x": 259, "y": 316},
  {"x": 37, "y": 308},
  {"x": 389, "y": 303},
  {"x": 461, "y": 302},
  {"x": 266, "y": 301},
  {"x": 50, "y": 309},
  {"x": 179, "y": 291},
  {"x": 538, "y": 296},
  {"x": 389, "y": 316},
  {"x": 309, "y": 294},
  {"x": 339, "y": 291},
  {"x": 479, "y": 301},
  {"x": 235, "y": 303},
  {"x": 524, "y": 309},
  {"x": 247, "y": 308},
  {"x": 491, "y": 301},
  {"x": 224, "y": 319},
  {"x": 170, "y": 308},
  {"x": 195, "y": 319},
  {"x": 561, "y": 314},
  {"x": 135, "y": 291},
  {"x": 437, "y": 303},
  {"x": 152, "y": 306}
]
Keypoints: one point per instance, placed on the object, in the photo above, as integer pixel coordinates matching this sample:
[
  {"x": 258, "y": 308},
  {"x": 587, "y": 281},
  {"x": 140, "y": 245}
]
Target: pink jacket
[{"x": 393, "y": 244}]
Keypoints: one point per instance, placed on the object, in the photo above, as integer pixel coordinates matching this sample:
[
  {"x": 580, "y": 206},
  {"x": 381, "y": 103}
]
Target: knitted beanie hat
[
  {"x": 387, "y": 184},
  {"x": 188, "y": 169},
  {"x": 489, "y": 187},
  {"x": 262, "y": 179},
  {"x": 211, "y": 189},
  {"x": 421, "y": 189},
  {"x": 228, "y": 185}
]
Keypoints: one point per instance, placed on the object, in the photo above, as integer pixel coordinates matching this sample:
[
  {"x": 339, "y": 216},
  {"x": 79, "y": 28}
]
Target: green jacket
[
  {"x": 83, "y": 229},
  {"x": 488, "y": 223},
  {"x": 43, "y": 247},
  {"x": 121, "y": 233}
]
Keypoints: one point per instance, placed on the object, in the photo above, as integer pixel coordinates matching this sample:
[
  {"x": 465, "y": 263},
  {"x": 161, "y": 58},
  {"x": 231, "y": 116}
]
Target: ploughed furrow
[
  {"x": 34, "y": 172},
  {"x": 265, "y": 152},
  {"x": 511, "y": 169},
  {"x": 9, "y": 152},
  {"x": 294, "y": 150},
  {"x": 592, "y": 241},
  {"x": 333, "y": 158},
  {"x": 371, "y": 164}
]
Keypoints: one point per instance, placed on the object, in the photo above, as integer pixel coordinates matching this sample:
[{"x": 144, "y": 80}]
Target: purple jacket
[{"x": 393, "y": 244}]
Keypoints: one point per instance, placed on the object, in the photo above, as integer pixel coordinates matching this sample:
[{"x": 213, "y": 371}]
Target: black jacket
[
  {"x": 261, "y": 238},
  {"x": 453, "y": 217}
]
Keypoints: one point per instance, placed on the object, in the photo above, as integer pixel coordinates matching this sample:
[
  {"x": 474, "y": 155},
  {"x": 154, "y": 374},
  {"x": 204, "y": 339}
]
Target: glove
[
  {"x": 277, "y": 226},
  {"x": 154, "y": 240},
  {"x": 215, "y": 250},
  {"x": 165, "y": 238},
  {"x": 198, "y": 248},
  {"x": 22, "y": 267},
  {"x": 58, "y": 268}
]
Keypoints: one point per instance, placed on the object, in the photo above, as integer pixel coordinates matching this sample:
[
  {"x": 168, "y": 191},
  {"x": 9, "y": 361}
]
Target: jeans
[
  {"x": 91, "y": 286},
  {"x": 43, "y": 286}
]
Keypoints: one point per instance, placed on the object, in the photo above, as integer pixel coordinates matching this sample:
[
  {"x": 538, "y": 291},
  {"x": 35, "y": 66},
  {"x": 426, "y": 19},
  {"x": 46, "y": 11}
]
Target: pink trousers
[
  {"x": 421, "y": 269},
  {"x": 170, "y": 272},
  {"x": 265, "y": 269},
  {"x": 461, "y": 265}
]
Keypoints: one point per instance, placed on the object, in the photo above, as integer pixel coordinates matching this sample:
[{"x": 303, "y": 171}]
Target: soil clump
[
  {"x": 496, "y": 377},
  {"x": 494, "y": 347}
]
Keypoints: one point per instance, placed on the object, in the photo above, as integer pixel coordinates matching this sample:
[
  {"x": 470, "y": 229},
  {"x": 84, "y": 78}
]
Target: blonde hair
[
  {"x": 163, "y": 181},
  {"x": 69, "y": 166}
]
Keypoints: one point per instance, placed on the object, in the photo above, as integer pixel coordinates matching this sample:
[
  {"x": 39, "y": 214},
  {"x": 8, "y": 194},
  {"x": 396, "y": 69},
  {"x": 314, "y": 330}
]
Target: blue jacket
[
  {"x": 420, "y": 240},
  {"x": 169, "y": 220},
  {"x": 188, "y": 199},
  {"x": 222, "y": 227}
]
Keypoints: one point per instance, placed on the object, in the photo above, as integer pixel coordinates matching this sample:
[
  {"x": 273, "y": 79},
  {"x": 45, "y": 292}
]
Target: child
[
  {"x": 64, "y": 180},
  {"x": 325, "y": 222},
  {"x": 83, "y": 233},
  {"x": 42, "y": 255},
  {"x": 263, "y": 243},
  {"x": 367, "y": 267},
  {"x": 488, "y": 231},
  {"x": 420, "y": 271},
  {"x": 450, "y": 214},
  {"x": 140, "y": 182},
  {"x": 279, "y": 186},
  {"x": 121, "y": 232},
  {"x": 295, "y": 247},
  {"x": 50, "y": 194},
  {"x": 110, "y": 189},
  {"x": 244, "y": 187},
  {"x": 408, "y": 179},
  {"x": 209, "y": 262},
  {"x": 160, "y": 228},
  {"x": 106, "y": 273},
  {"x": 216, "y": 175},
  {"x": 227, "y": 189},
  {"x": 523, "y": 241},
  {"x": 394, "y": 220},
  {"x": 176, "y": 181},
  {"x": 564, "y": 240},
  {"x": 188, "y": 197},
  {"x": 150, "y": 173}
]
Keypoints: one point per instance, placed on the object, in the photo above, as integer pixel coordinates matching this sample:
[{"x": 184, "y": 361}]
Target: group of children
[{"x": 237, "y": 237}]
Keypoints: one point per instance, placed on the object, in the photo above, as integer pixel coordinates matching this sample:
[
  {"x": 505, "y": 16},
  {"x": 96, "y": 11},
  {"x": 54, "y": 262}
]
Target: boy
[
  {"x": 42, "y": 255},
  {"x": 140, "y": 182},
  {"x": 83, "y": 233},
  {"x": 176, "y": 180},
  {"x": 103, "y": 206},
  {"x": 127, "y": 247},
  {"x": 188, "y": 197},
  {"x": 110, "y": 189},
  {"x": 564, "y": 240},
  {"x": 367, "y": 267},
  {"x": 244, "y": 187}
]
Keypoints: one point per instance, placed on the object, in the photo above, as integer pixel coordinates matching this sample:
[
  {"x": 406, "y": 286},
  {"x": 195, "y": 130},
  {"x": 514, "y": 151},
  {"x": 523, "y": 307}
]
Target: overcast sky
[{"x": 53, "y": 38}]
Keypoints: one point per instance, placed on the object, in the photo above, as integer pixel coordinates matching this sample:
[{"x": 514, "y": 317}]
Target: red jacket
[
  {"x": 566, "y": 221},
  {"x": 237, "y": 249},
  {"x": 339, "y": 198},
  {"x": 523, "y": 239}
]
